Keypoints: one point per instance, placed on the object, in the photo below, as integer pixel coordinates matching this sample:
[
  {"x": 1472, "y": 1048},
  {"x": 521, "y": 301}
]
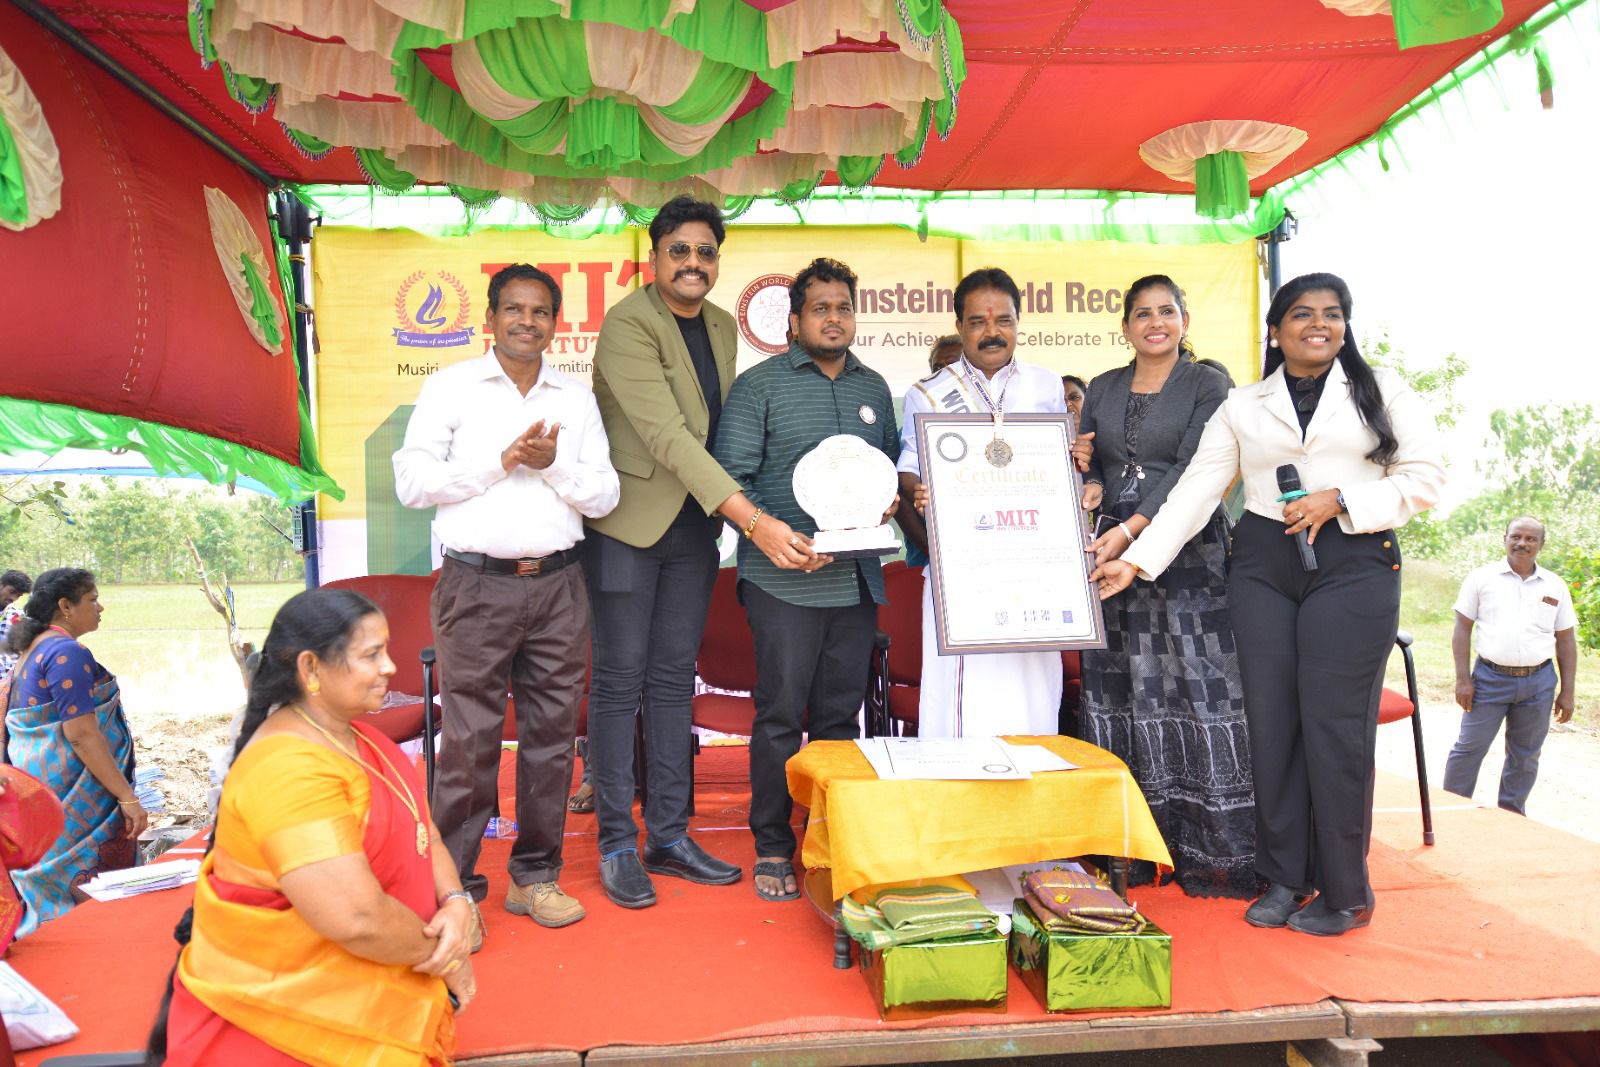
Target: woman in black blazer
[{"x": 1164, "y": 695}]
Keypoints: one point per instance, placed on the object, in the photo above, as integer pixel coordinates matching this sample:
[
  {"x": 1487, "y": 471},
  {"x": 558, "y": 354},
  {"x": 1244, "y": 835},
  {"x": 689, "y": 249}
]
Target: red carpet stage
[{"x": 1500, "y": 910}]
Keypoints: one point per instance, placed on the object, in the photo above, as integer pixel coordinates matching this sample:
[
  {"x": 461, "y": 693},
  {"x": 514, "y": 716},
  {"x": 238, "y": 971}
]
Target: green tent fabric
[
  {"x": 262, "y": 309},
  {"x": 1424, "y": 22},
  {"x": 13, "y": 191},
  {"x": 1221, "y": 185}
]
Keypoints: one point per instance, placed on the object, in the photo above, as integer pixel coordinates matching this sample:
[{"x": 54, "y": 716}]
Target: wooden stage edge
[{"x": 1326, "y": 1019}]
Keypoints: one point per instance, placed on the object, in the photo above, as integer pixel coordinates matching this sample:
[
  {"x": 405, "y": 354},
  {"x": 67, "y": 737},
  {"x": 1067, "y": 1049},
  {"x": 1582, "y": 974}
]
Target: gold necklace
[{"x": 405, "y": 797}]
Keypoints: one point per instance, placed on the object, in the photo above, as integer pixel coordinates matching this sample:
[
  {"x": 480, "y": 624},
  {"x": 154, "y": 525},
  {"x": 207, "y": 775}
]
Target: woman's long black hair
[
  {"x": 49, "y": 589},
  {"x": 1363, "y": 384},
  {"x": 321, "y": 621}
]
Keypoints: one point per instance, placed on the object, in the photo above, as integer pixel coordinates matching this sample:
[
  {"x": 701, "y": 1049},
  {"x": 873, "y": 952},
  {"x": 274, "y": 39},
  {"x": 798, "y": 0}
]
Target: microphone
[{"x": 1291, "y": 489}]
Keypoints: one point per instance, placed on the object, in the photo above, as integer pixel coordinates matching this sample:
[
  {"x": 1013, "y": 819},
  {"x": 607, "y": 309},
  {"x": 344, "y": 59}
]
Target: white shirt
[
  {"x": 469, "y": 413},
  {"x": 1027, "y": 388},
  {"x": 1516, "y": 618},
  {"x": 1256, "y": 429}
]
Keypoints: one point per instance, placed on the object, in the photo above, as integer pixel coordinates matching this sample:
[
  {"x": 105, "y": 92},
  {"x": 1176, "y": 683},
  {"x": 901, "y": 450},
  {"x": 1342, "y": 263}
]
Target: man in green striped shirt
[{"x": 813, "y": 625}]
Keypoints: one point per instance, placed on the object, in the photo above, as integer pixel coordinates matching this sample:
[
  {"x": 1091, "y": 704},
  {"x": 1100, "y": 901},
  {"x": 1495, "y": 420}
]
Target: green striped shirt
[{"x": 776, "y": 412}]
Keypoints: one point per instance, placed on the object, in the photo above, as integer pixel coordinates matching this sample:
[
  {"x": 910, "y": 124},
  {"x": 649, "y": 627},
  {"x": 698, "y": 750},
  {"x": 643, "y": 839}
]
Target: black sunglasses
[{"x": 679, "y": 251}]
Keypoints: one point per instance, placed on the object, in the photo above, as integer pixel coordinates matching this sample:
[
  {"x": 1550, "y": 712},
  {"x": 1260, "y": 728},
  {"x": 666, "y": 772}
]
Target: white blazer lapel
[
  {"x": 1275, "y": 398},
  {"x": 1335, "y": 398}
]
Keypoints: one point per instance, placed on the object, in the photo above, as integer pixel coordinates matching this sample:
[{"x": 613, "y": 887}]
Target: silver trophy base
[{"x": 871, "y": 541}]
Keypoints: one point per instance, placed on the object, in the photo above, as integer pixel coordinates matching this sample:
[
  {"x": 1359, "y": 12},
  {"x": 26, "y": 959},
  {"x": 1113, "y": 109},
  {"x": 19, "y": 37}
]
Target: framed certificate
[{"x": 1006, "y": 535}]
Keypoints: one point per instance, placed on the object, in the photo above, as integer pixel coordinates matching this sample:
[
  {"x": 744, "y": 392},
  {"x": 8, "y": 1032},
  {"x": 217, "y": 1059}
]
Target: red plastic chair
[
  {"x": 1392, "y": 707},
  {"x": 727, "y": 661},
  {"x": 404, "y": 600},
  {"x": 895, "y": 689}
]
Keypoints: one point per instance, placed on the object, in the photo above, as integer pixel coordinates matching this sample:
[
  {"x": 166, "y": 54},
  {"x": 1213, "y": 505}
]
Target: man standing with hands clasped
[
  {"x": 813, "y": 624},
  {"x": 513, "y": 454},
  {"x": 1524, "y": 616}
]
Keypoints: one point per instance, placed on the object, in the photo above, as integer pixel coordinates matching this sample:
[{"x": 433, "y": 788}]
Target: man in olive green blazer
[{"x": 663, "y": 365}]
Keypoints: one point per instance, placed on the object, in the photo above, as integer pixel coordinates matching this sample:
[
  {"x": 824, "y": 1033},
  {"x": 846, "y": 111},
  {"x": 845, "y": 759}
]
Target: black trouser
[
  {"x": 531, "y": 633},
  {"x": 1312, "y": 651},
  {"x": 649, "y": 613},
  {"x": 811, "y": 663}
]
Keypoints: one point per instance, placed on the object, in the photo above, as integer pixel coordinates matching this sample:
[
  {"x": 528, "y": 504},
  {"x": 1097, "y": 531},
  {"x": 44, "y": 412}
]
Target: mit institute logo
[{"x": 433, "y": 310}]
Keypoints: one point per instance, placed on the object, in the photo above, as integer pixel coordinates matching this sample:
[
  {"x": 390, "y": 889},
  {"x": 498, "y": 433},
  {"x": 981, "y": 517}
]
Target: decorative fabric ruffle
[
  {"x": 245, "y": 266},
  {"x": 653, "y": 94},
  {"x": 30, "y": 163}
]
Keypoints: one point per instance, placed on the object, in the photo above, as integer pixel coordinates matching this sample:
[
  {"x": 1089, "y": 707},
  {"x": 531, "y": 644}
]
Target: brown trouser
[{"x": 531, "y": 634}]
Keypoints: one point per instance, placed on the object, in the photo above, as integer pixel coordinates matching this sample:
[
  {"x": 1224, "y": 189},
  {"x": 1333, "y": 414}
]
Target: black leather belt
[
  {"x": 527, "y": 567},
  {"x": 1513, "y": 672}
]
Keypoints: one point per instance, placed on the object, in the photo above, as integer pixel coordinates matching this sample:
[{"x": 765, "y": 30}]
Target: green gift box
[
  {"x": 965, "y": 973},
  {"x": 1082, "y": 971}
]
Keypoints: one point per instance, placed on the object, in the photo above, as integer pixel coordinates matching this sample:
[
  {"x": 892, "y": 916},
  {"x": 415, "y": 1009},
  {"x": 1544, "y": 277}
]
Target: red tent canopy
[{"x": 1059, "y": 94}]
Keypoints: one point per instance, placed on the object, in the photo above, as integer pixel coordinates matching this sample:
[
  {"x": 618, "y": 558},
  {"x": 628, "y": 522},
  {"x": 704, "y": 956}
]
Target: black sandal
[
  {"x": 582, "y": 802},
  {"x": 779, "y": 869}
]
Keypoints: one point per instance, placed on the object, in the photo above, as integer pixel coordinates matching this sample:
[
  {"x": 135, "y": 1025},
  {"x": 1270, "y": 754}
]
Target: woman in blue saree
[{"x": 64, "y": 725}]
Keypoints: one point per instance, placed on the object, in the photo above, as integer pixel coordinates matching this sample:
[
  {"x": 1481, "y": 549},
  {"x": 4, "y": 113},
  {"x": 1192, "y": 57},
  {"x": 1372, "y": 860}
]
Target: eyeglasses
[
  {"x": 1305, "y": 394},
  {"x": 679, "y": 251}
]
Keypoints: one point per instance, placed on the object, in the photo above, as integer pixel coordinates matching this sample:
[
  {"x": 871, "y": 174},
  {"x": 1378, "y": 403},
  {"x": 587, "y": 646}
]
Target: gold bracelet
[
  {"x": 750, "y": 527},
  {"x": 129, "y": 803}
]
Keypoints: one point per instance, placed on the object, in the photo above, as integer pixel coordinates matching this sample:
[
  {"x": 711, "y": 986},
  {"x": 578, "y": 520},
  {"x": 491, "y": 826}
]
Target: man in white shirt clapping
[{"x": 513, "y": 454}]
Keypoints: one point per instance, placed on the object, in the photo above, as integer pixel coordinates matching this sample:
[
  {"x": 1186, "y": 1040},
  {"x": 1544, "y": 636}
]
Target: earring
[
  {"x": 313, "y": 687},
  {"x": 1272, "y": 343}
]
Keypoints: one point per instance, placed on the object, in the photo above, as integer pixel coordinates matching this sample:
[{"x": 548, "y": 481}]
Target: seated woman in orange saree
[{"x": 329, "y": 925}]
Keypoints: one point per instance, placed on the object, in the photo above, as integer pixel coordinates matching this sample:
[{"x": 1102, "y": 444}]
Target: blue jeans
[{"x": 1524, "y": 705}]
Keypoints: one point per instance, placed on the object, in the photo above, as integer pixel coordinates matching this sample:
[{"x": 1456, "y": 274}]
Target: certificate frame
[{"x": 1023, "y": 522}]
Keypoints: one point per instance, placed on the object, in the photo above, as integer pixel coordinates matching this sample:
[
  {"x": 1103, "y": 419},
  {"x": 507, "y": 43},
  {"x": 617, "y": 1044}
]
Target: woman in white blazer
[{"x": 1312, "y": 644}]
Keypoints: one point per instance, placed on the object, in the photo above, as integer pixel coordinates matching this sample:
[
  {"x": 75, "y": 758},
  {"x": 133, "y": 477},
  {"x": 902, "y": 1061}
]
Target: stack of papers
[
  {"x": 144, "y": 788},
  {"x": 116, "y": 885},
  {"x": 975, "y": 759}
]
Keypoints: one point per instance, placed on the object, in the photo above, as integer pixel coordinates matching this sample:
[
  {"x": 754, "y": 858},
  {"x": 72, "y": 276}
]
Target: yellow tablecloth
[{"x": 870, "y": 831}]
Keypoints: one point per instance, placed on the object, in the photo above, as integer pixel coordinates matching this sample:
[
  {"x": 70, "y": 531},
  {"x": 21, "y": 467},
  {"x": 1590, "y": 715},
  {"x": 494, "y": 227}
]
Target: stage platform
[{"x": 1494, "y": 930}]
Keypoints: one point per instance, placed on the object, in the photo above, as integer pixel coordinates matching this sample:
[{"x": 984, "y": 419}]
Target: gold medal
[
  {"x": 422, "y": 840},
  {"x": 997, "y": 452}
]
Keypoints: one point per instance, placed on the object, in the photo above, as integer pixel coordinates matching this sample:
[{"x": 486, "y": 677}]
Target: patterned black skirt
[{"x": 1165, "y": 697}]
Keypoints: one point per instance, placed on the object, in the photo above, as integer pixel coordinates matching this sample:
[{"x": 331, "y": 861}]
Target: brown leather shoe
[
  {"x": 544, "y": 903},
  {"x": 477, "y": 926}
]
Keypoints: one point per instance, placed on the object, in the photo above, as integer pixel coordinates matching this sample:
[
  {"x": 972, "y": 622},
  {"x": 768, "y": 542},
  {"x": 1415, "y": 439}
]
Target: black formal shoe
[
  {"x": 1320, "y": 920},
  {"x": 625, "y": 882},
  {"x": 688, "y": 860},
  {"x": 1274, "y": 907}
]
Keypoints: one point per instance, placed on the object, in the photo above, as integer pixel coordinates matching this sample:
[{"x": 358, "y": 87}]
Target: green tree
[{"x": 1552, "y": 449}]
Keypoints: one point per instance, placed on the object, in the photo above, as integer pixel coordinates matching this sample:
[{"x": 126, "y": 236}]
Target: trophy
[{"x": 846, "y": 485}]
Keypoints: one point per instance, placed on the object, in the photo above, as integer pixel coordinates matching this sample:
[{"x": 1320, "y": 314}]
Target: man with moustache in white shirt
[
  {"x": 513, "y": 454},
  {"x": 1001, "y": 692}
]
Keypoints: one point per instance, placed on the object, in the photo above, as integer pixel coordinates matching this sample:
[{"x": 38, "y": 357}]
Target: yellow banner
[{"x": 392, "y": 306}]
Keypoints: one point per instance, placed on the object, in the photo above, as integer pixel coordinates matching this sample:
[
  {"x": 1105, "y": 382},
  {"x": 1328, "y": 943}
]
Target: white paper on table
[
  {"x": 150, "y": 878},
  {"x": 964, "y": 759},
  {"x": 1037, "y": 758}
]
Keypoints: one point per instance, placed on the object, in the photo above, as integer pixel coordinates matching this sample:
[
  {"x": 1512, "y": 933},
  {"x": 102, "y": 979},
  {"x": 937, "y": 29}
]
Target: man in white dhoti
[{"x": 996, "y": 692}]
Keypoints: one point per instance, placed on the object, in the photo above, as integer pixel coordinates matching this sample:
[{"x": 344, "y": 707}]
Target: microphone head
[{"x": 1288, "y": 478}]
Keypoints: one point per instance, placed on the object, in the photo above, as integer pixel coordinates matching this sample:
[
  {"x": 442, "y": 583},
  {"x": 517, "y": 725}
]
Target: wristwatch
[{"x": 1343, "y": 507}]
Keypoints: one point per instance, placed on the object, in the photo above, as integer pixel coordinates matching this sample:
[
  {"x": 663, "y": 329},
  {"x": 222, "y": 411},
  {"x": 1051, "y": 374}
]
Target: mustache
[{"x": 992, "y": 342}]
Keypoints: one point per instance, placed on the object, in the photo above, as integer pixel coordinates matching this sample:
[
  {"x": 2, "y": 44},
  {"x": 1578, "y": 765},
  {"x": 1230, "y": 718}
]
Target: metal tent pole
[{"x": 294, "y": 225}]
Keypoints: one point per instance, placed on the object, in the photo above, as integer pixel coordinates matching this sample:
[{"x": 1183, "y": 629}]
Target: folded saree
[
  {"x": 911, "y": 914},
  {"x": 1072, "y": 900}
]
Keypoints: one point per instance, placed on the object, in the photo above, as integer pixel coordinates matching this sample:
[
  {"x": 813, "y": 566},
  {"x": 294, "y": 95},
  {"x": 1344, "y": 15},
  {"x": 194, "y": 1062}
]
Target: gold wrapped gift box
[
  {"x": 930, "y": 977},
  {"x": 1091, "y": 971}
]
